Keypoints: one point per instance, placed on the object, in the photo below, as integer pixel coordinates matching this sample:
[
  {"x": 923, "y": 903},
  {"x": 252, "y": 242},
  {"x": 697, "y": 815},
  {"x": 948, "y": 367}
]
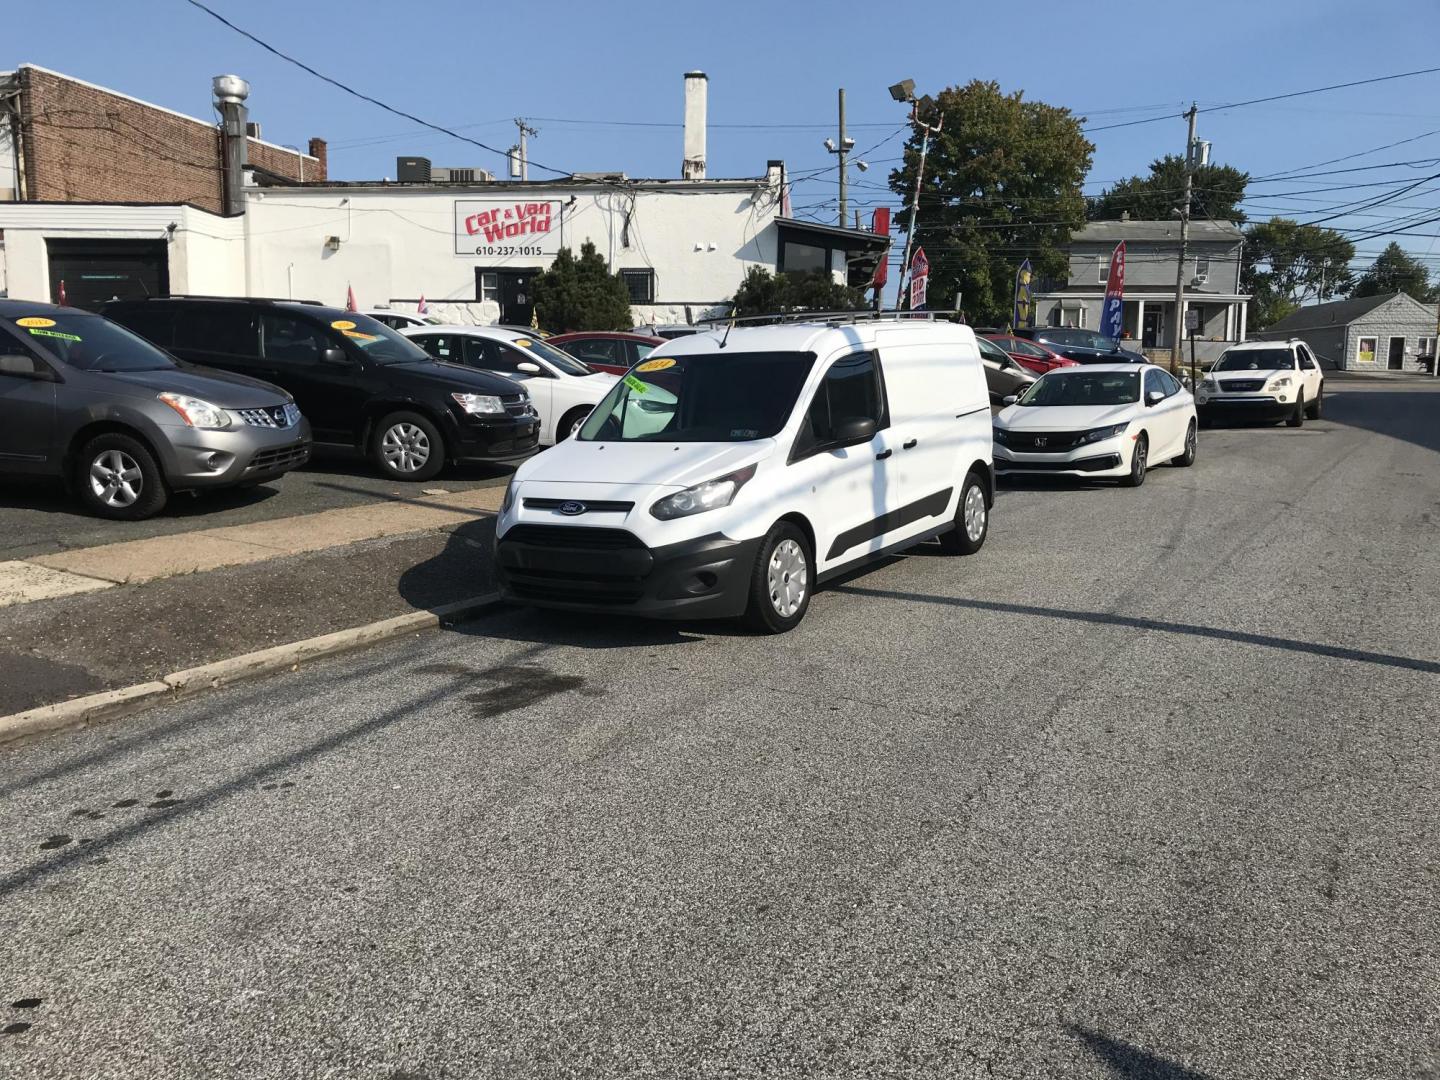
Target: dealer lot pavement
[{"x": 1147, "y": 788}]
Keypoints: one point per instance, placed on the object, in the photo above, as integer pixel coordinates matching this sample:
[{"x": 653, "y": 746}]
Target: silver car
[{"x": 84, "y": 400}]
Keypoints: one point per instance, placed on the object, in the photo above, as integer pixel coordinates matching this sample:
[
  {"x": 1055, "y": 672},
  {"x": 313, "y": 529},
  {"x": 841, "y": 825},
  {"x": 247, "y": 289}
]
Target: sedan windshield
[
  {"x": 1255, "y": 360},
  {"x": 92, "y": 343},
  {"x": 1084, "y": 388},
  {"x": 706, "y": 397},
  {"x": 558, "y": 358}
]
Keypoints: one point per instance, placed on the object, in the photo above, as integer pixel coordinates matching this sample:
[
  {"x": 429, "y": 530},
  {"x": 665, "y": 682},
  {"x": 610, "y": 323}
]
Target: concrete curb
[{"x": 110, "y": 704}]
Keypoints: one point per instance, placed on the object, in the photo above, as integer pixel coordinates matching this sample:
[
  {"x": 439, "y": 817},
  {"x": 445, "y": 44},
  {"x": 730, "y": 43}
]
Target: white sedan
[
  {"x": 1097, "y": 420},
  {"x": 562, "y": 389}
]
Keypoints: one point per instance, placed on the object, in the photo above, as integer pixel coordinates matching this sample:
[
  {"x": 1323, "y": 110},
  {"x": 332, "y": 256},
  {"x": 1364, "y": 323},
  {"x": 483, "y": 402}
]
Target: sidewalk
[{"x": 101, "y": 618}]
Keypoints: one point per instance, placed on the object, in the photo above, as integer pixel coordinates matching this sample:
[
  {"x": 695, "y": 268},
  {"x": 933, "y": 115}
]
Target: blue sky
[{"x": 581, "y": 69}]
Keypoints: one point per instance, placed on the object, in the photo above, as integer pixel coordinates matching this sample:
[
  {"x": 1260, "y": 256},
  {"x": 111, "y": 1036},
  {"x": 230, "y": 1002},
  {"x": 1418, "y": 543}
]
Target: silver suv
[{"x": 84, "y": 400}]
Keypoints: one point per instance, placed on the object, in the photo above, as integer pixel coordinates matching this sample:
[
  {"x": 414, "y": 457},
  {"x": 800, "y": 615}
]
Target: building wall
[
  {"x": 1153, "y": 264},
  {"x": 398, "y": 244},
  {"x": 1389, "y": 320},
  {"x": 83, "y": 143}
]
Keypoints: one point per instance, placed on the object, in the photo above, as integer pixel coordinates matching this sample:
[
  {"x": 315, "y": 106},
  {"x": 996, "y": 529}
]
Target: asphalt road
[
  {"x": 1147, "y": 788},
  {"x": 39, "y": 517}
]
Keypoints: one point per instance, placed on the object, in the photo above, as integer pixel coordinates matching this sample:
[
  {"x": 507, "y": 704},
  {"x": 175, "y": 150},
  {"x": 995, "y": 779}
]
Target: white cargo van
[{"x": 730, "y": 474}]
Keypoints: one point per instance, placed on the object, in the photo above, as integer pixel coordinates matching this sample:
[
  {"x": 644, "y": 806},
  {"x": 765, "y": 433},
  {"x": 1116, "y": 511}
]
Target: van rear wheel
[
  {"x": 781, "y": 582},
  {"x": 972, "y": 520}
]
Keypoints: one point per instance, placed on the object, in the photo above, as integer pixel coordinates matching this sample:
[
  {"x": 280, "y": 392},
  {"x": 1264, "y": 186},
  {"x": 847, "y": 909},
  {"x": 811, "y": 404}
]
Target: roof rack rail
[
  {"x": 829, "y": 317},
  {"x": 209, "y": 296}
]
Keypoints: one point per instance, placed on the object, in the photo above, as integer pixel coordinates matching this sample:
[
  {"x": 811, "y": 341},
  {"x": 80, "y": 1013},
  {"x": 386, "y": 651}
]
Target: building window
[
  {"x": 1073, "y": 316},
  {"x": 1365, "y": 351},
  {"x": 1104, "y": 270},
  {"x": 489, "y": 287},
  {"x": 641, "y": 284},
  {"x": 804, "y": 258},
  {"x": 1202, "y": 266},
  {"x": 1425, "y": 346}
]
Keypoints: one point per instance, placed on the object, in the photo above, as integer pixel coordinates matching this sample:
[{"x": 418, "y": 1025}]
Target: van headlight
[
  {"x": 196, "y": 412},
  {"x": 479, "y": 404},
  {"x": 711, "y": 495}
]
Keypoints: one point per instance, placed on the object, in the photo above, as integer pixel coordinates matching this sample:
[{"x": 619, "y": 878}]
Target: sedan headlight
[
  {"x": 1001, "y": 436},
  {"x": 711, "y": 495},
  {"x": 509, "y": 499},
  {"x": 479, "y": 404},
  {"x": 1280, "y": 383},
  {"x": 196, "y": 412},
  {"x": 1101, "y": 433}
]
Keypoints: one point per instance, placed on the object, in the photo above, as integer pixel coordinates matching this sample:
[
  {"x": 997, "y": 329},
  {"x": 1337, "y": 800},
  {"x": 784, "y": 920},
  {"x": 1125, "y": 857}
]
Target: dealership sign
[{"x": 501, "y": 228}]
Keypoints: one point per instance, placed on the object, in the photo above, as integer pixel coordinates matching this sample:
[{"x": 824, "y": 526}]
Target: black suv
[{"x": 356, "y": 380}]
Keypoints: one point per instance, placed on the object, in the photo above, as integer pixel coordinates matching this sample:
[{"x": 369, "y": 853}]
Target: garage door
[{"x": 94, "y": 271}]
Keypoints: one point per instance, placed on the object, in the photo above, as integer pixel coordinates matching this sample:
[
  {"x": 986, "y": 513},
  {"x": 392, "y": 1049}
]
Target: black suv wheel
[{"x": 407, "y": 446}]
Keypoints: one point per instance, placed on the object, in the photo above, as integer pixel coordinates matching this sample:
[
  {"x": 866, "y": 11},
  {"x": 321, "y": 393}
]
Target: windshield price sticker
[
  {"x": 637, "y": 385},
  {"x": 358, "y": 336},
  {"x": 660, "y": 363},
  {"x": 34, "y": 320},
  {"x": 343, "y": 324}
]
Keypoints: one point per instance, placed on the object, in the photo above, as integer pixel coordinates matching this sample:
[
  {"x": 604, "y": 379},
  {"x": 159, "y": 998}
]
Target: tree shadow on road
[
  {"x": 1130, "y": 1062},
  {"x": 1412, "y": 416}
]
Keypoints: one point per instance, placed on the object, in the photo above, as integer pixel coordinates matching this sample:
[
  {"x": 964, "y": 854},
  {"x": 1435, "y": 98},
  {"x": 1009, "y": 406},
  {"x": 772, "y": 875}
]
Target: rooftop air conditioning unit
[{"x": 1200, "y": 279}]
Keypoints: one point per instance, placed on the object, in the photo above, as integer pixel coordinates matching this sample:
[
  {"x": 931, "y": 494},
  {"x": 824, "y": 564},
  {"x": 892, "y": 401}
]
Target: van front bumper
[{"x": 582, "y": 568}]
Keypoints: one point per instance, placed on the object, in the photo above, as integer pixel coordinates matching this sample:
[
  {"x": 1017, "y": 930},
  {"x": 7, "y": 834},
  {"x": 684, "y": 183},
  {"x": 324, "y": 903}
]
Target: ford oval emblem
[{"x": 572, "y": 508}]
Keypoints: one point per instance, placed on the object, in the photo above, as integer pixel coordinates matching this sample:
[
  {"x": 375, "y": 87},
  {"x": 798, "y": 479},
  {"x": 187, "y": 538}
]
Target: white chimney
[{"x": 696, "y": 94}]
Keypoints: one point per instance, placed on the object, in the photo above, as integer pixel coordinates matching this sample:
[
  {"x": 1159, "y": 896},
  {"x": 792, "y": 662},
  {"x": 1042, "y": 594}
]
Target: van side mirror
[
  {"x": 335, "y": 356},
  {"x": 1154, "y": 397},
  {"x": 856, "y": 429},
  {"x": 20, "y": 366}
]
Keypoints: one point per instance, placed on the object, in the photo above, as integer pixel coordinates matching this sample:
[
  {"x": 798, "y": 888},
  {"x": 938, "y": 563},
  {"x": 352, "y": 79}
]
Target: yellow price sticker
[
  {"x": 343, "y": 324},
  {"x": 34, "y": 320},
  {"x": 524, "y": 342},
  {"x": 660, "y": 363}
]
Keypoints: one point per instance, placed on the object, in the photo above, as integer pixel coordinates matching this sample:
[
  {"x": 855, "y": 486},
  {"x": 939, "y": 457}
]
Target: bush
[
  {"x": 581, "y": 294},
  {"x": 763, "y": 293}
]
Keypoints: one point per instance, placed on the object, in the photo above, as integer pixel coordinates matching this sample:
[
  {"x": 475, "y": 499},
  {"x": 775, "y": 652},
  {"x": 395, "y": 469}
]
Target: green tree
[
  {"x": 763, "y": 293},
  {"x": 1395, "y": 271},
  {"x": 1215, "y": 195},
  {"x": 1287, "y": 263},
  {"x": 1002, "y": 184},
  {"x": 581, "y": 294}
]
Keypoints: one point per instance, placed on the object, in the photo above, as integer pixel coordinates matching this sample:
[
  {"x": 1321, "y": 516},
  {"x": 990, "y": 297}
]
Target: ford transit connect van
[{"x": 730, "y": 475}]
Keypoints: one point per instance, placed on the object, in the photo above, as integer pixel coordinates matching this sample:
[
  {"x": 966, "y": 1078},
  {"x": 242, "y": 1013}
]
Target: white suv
[{"x": 1270, "y": 380}]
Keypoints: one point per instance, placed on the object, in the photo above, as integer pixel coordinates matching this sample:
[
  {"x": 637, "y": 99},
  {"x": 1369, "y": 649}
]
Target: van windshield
[
  {"x": 703, "y": 397},
  {"x": 92, "y": 342}
]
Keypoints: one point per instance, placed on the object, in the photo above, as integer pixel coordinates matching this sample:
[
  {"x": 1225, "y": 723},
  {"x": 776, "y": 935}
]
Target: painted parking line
[{"x": 22, "y": 583}]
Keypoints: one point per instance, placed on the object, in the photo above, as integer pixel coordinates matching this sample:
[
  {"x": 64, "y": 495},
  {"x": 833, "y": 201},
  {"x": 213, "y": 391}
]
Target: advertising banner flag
[
  {"x": 919, "y": 278},
  {"x": 350, "y": 304},
  {"x": 880, "y": 225},
  {"x": 1024, "y": 305},
  {"x": 1112, "y": 315},
  {"x": 422, "y": 308}
]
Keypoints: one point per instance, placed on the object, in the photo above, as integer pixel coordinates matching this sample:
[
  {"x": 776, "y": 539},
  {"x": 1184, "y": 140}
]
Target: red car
[
  {"x": 605, "y": 350},
  {"x": 1030, "y": 354}
]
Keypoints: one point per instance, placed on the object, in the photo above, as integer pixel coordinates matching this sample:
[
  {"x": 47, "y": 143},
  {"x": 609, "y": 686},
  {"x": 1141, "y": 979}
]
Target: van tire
[
  {"x": 972, "y": 519},
  {"x": 131, "y": 462},
  {"x": 785, "y": 545},
  {"x": 399, "y": 439}
]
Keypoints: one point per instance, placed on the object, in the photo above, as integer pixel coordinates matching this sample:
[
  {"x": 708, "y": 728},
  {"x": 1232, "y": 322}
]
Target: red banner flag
[
  {"x": 880, "y": 225},
  {"x": 350, "y": 299}
]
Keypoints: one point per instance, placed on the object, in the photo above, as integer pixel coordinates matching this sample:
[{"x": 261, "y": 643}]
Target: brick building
[{"x": 64, "y": 141}]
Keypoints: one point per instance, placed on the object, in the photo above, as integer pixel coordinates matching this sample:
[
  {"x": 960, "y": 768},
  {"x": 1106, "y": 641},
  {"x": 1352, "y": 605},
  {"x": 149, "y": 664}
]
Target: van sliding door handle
[
  {"x": 883, "y": 455},
  {"x": 911, "y": 444}
]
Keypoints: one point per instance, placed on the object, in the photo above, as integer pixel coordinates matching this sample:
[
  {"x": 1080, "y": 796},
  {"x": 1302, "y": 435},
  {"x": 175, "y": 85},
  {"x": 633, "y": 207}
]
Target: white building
[{"x": 470, "y": 247}]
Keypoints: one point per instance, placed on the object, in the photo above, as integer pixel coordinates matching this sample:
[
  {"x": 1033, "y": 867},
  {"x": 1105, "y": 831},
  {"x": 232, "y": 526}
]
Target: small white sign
[
  {"x": 507, "y": 228},
  {"x": 1192, "y": 320}
]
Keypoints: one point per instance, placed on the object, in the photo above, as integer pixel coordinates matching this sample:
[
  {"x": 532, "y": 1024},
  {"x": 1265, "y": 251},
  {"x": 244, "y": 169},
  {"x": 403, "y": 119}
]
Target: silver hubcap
[
  {"x": 974, "y": 513},
  {"x": 115, "y": 478},
  {"x": 575, "y": 426},
  {"x": 787, "y": 578},
  {"x": 1190, "y": 442},
  {"x": 406, "y": 448},
  {"x": 1141, "y": 452}
]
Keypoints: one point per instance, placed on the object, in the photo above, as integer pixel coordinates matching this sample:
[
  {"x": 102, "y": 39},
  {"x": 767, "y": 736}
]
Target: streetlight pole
[
  {"x": 1179, "y": 330},
  {"x": 842, "y": 155},
  {"x": 915, "y": 198}
]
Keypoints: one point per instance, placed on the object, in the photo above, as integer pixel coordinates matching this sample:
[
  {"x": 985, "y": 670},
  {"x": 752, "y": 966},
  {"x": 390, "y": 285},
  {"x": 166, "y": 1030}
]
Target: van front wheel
[
  {"x": 781, "y": 582},
  {"x": 972, "y": 520}
]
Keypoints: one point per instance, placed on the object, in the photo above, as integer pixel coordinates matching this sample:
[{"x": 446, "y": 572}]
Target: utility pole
[
  {"x": 1178, "y": 332},
  {"x": 843, "y": 155},
  {"x": 915, "y": 198},
  {"x": 525, "y": 130}
]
